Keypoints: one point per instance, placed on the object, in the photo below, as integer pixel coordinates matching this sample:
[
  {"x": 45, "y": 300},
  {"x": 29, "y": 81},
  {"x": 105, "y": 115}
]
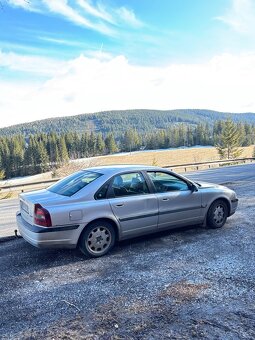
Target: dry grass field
[
  {"x": 167, "y": 157},
  {"x": 158, "y": 157}
]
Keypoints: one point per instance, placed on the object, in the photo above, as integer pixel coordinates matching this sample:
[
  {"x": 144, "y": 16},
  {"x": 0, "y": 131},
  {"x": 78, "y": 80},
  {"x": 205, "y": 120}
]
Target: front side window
[
  {"x": 129, "y": 184},
  {"x": 164, "y": 182},
  {"x": 73, "y": 183}
]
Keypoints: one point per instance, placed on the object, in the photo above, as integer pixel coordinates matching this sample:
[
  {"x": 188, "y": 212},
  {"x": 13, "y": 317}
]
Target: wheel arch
[
  {"x": 103, "y": 219},
  {"x": 222, "y": 198},
  {"x": 225, "y": 200}
]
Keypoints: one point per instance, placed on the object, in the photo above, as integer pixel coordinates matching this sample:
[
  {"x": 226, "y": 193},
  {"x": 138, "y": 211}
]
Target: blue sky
[
  {"x": 145, "y": 31},
  {"x": 64, "y": 57}
]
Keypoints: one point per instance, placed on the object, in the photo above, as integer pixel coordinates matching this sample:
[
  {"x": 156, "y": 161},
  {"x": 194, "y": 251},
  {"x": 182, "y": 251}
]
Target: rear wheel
[
  {"x": 217, "y": 214},
  {"x": 97, "y": 239}
]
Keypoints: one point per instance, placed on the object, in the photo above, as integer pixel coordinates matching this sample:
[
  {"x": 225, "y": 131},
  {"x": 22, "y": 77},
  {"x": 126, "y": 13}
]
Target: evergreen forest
[{"x": 27, "y": 154}]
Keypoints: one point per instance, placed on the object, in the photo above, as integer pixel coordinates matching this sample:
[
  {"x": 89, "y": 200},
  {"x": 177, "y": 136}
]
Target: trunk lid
[{"x": 28, "y": 200}]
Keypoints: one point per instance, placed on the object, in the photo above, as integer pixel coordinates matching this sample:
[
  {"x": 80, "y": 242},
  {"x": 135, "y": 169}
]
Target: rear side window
[
  {"x": 129, "y": 184},
  {"x": 73, "y": 183},
  {"x": 102, "y": 192}
]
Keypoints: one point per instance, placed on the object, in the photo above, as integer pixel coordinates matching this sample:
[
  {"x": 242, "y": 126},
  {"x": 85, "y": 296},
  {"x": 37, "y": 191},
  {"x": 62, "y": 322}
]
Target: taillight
[{"x": 42, "y": 216}]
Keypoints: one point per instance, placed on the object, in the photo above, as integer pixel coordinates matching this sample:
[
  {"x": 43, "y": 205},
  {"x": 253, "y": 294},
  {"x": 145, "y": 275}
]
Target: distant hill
[{"x": 119, "y": 121}]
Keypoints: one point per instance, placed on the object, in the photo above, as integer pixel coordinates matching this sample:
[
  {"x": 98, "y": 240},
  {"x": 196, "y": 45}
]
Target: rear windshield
[{"x": 73, "y": 183}]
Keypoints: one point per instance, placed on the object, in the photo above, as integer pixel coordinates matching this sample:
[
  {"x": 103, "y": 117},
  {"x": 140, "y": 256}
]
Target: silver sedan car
[{"x": 95, "y": 207}]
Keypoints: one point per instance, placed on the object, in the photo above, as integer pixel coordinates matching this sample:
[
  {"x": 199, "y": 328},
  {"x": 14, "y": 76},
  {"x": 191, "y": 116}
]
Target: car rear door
[
  {"x": 133, "y": 204},
  {"x": 178, "y": 203}
]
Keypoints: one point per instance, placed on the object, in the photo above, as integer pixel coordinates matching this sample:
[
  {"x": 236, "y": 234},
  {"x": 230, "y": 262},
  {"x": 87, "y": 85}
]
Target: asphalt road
[
  {"x": 224, "y": 175},
  {"x": 8, "y": 210}
]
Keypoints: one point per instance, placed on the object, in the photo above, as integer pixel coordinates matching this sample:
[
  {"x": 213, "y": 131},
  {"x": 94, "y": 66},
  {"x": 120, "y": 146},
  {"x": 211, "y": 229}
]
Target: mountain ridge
[{"x": 118, "y": 121}]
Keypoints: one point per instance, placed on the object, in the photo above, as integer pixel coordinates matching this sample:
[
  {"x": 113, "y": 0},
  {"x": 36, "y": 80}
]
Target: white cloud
[
  {"x": 97, "y": 11},
  {"x": 35, "y": 65},
  {"x": 89, "y": 14},
  {"x": 19, "y": 3},
  {"x": 61, "y": 7},
  {"x": 84, "y": 85},
  {"x": 61, "y": 41},
  {"x": 240, "y": 16},
  {"x": 129, "y": 17}
]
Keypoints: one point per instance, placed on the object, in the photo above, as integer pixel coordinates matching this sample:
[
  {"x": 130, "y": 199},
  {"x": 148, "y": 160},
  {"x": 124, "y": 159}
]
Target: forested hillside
[{"x": 143, "y": 121}]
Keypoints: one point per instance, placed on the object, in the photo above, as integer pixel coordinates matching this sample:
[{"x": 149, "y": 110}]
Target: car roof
[{"x": 115, "y": 169}]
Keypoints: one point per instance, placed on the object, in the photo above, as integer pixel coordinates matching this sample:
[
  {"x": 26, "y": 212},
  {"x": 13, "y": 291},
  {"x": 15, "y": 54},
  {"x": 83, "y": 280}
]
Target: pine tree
[
  {"x": 42, "y": 158},
  {"x": 69, "y": 143},
  {"x": 190, "y": 136},
  {"x": 5, "y": 157},
  {"x": 75, "y": 147},
  {"x": 63, "y": 154},
  {"x": 92, "y": 144},
  {"x": 31, "y": 157},
  {"x": 131, "y": 140},
  {"x": 110, "y": 143},
  {"x": 84, "y": 145},
  {"x": 17, "y": 155},
  {"x": 53, "y": 151},
  {"x": 100, "y": 144},
  {"x": 229, "y": 141}
]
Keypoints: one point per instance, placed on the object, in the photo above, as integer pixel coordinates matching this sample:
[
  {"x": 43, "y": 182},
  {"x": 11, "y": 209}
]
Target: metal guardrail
[
  {"x": 185, "y": 167},
  {"x": 210, "y": 163},
  {"x": 12, "y": 186}
]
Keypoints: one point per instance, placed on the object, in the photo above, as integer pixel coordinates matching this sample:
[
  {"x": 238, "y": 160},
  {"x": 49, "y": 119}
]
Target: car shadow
[
  {"x": 183, "y": 234},
  {"x": 17, "y": 257}
]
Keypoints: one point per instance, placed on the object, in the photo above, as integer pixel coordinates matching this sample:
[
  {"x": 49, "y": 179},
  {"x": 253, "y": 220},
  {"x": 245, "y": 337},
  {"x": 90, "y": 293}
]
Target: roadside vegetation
[{"x": 22, "y": 155}]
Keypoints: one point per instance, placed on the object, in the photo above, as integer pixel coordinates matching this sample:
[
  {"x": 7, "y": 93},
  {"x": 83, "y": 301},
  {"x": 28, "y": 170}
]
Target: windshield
[{"x": 73, "y": 183}]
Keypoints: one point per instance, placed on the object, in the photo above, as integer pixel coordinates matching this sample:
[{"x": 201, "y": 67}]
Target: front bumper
[
  {"x": 48, "y": 237},
  {"x": 234, "y": 204}
]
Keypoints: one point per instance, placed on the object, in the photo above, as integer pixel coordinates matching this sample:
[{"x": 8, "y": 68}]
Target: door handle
[
  {"x": 165, "y": 199},
  {"x": 119, "y": 205}
]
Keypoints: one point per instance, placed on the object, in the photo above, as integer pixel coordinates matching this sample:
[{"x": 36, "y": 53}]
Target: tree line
[{"x": 38, "y": 153}]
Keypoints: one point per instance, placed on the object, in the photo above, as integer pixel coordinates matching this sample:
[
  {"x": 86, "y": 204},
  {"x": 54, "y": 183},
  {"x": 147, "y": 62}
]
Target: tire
[
  {"x": 97, "y": 239},
  {"x": 217, "y": 214}
]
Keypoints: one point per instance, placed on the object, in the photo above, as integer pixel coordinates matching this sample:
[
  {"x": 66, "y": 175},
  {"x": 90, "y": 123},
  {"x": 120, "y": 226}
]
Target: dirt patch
[{"x": 184, "y": 291}]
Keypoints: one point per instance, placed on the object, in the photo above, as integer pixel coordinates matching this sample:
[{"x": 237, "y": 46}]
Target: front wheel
[
  {"x": 97, "y": 239},
  {"x": 217, "y": 214}
]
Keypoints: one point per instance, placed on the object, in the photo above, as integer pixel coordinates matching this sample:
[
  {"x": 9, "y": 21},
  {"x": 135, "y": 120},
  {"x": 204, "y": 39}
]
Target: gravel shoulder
[{"x": 178, "y": 284}]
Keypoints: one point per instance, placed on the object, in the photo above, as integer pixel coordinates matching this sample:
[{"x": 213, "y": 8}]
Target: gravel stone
[{"x": 180, "y": 284}]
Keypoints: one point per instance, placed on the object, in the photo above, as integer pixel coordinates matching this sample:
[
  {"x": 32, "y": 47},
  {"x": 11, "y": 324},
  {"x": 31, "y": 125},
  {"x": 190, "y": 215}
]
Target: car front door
[
  {"x": 133, "y": 204},
  {"x": 179, "y": 204}
]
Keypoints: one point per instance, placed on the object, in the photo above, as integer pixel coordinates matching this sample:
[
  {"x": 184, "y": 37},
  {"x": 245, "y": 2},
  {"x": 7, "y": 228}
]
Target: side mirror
[{"x": 193, "y": 187}]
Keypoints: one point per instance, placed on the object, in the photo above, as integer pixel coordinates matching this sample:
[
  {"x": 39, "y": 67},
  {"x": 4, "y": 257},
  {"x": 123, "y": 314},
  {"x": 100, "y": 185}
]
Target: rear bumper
[{"x": 48, "y": 237}]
